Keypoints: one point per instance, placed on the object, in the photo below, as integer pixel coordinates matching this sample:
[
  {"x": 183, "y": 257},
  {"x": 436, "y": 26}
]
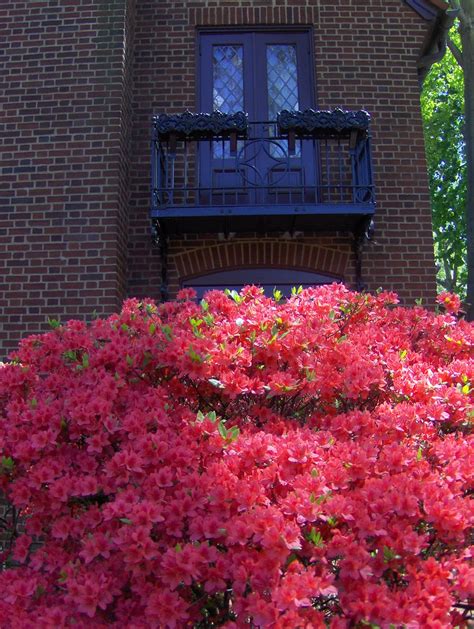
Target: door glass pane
[
  {"x": 228, "y": 78},
  {"x": 282, "y": 88},
  {"x": 228, "y": 87},
  {"x": 282, "y": 79}
]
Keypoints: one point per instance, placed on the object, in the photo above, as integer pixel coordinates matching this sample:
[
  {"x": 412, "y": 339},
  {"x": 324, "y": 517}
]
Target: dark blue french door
[{"x": 260, "y": 73}]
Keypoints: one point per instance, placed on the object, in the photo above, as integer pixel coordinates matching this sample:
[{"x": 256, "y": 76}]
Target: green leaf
[
  {"x": 40, "y": 590},
  {"x": 315, "y": 538},
  {"x": 208, "y": 319},
  {"x": 277, "y": 294},
  {"x": 204, "y": 305},
  {"x": 62, "y": 577},
  {"x": 222, "y": 430},
  {"x": 233, "y": 433},
  {"x": 419, "y": 454},
  {"x": 389, "y": 554},
  {"x": 54, "y": 323},
  {"x": 7, "y": 463},
  {"x": 167, "y": 332},
  {"x": 85, "y": 360},
  {"x": 234, "y": 295},
  {"x": 129, "y": 360},
  {"x": 194, "y": 356},
  {"x": 147, "y": 358},
  {"x": 324, "y": 497},
  {"x": 152, "y": 328},
  {"x": 125, "y": 520},
  {"x": 291, "y": 558},
  {"x": 212, "y": 415}
]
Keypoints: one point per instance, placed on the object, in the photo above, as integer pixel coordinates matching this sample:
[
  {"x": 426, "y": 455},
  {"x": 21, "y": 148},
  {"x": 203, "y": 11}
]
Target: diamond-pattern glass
[
  {"x": 282, "y": 79},
  {"x": 228, "y": 78}
]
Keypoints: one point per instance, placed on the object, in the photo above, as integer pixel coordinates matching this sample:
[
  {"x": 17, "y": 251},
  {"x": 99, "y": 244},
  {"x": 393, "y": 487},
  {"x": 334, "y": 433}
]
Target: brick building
[{"x": 277, "y": 198}]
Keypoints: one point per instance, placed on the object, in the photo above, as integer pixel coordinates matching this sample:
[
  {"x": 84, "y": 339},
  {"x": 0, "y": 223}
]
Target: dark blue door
[{"x": 261, "y": 73}]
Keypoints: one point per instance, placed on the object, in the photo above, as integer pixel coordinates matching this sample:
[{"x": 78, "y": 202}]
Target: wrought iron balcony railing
[{"x": 218, "y": 172}]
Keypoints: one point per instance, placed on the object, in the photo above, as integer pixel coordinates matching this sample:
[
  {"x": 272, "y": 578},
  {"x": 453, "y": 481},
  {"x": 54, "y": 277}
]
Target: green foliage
[{"x": 442, "y": 103}]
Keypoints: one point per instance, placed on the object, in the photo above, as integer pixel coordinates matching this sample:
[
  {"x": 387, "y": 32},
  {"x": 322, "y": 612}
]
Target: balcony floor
[{"x": 263, "y": 218}]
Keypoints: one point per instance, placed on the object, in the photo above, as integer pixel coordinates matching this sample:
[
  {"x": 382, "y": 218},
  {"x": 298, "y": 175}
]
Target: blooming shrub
[{"x": 242, "y": 462}]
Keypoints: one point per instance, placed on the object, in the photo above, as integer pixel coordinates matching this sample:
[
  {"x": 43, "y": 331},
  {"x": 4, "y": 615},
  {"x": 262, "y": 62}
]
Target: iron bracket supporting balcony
[
  {"x": 161, "y": 240},
  {"x": 361, "y": 236}
]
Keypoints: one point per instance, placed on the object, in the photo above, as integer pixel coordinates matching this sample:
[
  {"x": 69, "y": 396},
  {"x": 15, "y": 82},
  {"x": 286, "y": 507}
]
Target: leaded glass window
[
  {"x": 228, "y": 78},
  {"x": 282, "y": 79},
  {"x": 282, "y": 87}
]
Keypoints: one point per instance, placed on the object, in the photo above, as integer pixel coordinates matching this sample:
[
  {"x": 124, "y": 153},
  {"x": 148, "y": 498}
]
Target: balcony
[{"x": 305, "y": 171}]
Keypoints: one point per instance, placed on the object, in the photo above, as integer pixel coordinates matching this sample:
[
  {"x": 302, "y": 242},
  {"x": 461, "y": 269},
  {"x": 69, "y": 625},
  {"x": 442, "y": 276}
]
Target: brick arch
[
  {"x": 252, "y": 15},
  {"x": 277, "y": 253}
]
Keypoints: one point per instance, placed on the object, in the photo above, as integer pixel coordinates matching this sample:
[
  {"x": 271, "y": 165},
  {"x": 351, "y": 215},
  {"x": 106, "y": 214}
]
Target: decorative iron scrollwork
[
  {"x": 323, "y": 123},
  {"x": 263, "y": 162},
  {"x": 189, "y": 124}
]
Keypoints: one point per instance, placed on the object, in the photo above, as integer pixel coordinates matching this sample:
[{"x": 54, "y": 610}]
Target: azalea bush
[{"x": 241, "y": 462}]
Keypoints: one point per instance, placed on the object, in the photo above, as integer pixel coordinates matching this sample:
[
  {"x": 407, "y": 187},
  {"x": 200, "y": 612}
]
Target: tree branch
[
  {"x": 457, "y": 54},
  {"x": 448, "y": 282}
]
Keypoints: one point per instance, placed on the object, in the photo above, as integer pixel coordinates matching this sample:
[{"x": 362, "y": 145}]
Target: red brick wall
[
  {"x": 83, "y": 77},
  {"x": 365, "y": 58},
  {"x": 66, "y": 95}
]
